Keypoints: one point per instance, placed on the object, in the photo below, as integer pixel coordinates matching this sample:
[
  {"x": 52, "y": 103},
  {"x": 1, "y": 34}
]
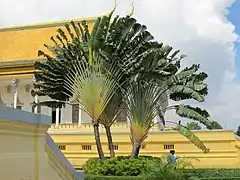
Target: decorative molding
[
  {"x": 22, "y": 129},
  {"x": 14, "y": 63},
  {"x": 15, "y": 82},
  {"x": 27, "y": 88},
  {"x": 9, "y": 88}
]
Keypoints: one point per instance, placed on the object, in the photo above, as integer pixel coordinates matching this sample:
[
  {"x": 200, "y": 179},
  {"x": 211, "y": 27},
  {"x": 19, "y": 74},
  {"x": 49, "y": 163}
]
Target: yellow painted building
[
  {"x": 27, "y": 151},
  {"x": 78, "y": 145},
  {"x": 72, "y": 131}
]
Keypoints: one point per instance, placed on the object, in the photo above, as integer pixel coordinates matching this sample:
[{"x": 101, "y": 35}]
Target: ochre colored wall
[
  {"x": 223, "y": 152},
  {"x": 25, "y": 155},
  {"x": 23, "y": 43}
]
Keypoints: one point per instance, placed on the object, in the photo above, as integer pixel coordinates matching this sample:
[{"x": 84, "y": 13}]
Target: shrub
[
  {"x": 220, "y": 178},
  {"x": 89, "y": 177},
  {"x": 165, "y": 171},
  {"x": 119, "y": 166},
  {"x": 209, "y": 173}
]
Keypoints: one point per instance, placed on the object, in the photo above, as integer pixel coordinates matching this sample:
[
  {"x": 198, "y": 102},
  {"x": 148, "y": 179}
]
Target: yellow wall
[
  {"x": 25, "y": 151},
  {"x": 223, "y": 152}
]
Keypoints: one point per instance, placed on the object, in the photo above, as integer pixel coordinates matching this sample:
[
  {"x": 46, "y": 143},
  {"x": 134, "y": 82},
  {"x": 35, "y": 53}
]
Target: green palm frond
[
  {"x": 92, "y": 88},
  {"x": 193, "y": 113},
  {"x": 180, "y": 92},
  {"x": 112, "y": 110},
  {"x": 67, "y": 47},
  {"x": 192, "y": 137},
  {"x": 141, "y": 101},
  {"x": 192, "y": 87}
]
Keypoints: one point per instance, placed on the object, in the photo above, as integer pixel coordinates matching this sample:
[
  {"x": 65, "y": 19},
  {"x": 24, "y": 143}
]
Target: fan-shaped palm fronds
[
  {"x": 166, "y": 81},
  {"x": 93, "y": 87},
  {"x": 119, "y": 53},
  {"x": 141, "y": 103}
]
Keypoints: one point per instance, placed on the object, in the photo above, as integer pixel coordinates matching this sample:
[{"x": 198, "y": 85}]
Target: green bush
[
  {"x": 88, "y": 177},
  {"x": 165, "y": 171},
  {"x": 209, "y": 173},
  {"x": 221, "y": 178},
  {"x": 119, "y": 166}
]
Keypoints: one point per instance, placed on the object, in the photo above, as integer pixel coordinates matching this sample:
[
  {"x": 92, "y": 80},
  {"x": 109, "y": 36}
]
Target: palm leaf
[
  {"x": 141, "y": 102},
  {"x": 192, "y": 137},
  {"x": 92, "y": 88},
  {"x": 112, "y": 110},
  {"x": 193, "y": 113},
  {"x": 180, "y": 92}
]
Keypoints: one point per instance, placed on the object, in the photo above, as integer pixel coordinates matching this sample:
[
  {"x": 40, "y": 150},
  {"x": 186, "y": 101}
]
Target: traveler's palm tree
[
  {"x": 119, "y": 53},
  {"x": 77, "y": 57},
  {"x": 93, "y": 89},
  {"x": 145, "y": 95}
]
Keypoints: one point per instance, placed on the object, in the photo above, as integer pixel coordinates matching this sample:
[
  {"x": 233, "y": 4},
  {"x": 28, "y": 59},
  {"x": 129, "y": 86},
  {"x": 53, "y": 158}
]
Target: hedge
[
  {"x": 142, "y": 178},
  {"x": 119, "y": 166},
  {"x": 223, "y": 173},
  {"x": 221, "y": 178},
  {"x": 114, "y": 178}
]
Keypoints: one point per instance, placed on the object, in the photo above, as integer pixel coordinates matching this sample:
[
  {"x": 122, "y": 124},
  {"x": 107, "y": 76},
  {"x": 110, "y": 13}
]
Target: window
[
  {"x": 38, "y": 109},
  {"x": 87, "y": 147},
  {"x": 143, "y": 146},
  {"x": 169, "y": 146},
  {"x": 122, "y": 117},
  {"x": 62, "y": 147},
  {"x": 19, "y": 107},
  {"x": 75, "y": 113},
  {"x": 54, "y": 116},
  {"x": 115, "y": 147}
]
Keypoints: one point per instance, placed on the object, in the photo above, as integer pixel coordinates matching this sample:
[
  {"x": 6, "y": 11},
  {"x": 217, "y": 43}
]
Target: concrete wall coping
[
  {"x": 237, "y": 137},
  {"x": 63, "y": 159},
  {"x": 23, "y": 116},
  {"x": 61, "y": 131}
]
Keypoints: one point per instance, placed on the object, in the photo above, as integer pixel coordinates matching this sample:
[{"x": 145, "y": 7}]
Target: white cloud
[{"x": 198, "y": 28}]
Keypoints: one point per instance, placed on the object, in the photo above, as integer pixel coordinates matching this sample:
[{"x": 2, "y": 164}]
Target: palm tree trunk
[
  {"x": 110, "y": 141},
  {"x": 98, "y": 141},
  {"x": 135, "y": 151}
]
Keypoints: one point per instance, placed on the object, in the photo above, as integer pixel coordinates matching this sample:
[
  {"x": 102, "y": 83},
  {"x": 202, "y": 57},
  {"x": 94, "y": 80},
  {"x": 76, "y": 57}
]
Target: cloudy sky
[{"x": 205, "y": 30}]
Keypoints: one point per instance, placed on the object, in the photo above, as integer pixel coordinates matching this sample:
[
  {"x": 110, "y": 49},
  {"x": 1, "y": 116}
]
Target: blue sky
[{"x": 234, "y": 17}]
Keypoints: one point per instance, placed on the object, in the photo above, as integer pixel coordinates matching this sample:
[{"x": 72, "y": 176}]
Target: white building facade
[{"x": 16, "y": 93}]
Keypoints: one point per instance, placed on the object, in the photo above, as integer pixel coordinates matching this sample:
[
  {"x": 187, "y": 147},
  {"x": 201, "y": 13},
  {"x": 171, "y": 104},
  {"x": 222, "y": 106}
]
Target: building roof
[{"x": 21, "y": 43}]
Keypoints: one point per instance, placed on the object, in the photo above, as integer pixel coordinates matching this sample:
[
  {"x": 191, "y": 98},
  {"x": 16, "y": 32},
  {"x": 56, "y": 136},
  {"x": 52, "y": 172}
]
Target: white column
[
  {"x": 15, "y": 83},
  {"x": 57, "y": 116},
  {"x": 35, "y": 97},
  {"x": 156, "y": 119},
  {"x": 36, "y": 101},
  {"x": 128, "y": 120},
  {"x": 80, "y": 116}
]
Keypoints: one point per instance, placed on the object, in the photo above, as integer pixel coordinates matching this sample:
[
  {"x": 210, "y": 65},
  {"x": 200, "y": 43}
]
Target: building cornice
[
  {"x": 47, "y": 25},
  {"x": 18, "y": 63}
]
